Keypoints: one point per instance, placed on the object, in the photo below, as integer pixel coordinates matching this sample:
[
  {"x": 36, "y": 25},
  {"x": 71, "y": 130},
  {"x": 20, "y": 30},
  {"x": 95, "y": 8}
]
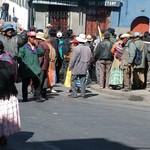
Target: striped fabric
[
  {"x": 9, "y": 116},
  {"x": 6, "y": 57},
  {"x": 118, "y": 51}
]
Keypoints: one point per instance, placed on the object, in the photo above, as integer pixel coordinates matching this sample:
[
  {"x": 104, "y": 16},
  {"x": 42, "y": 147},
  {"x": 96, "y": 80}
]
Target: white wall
[{"x": 19, "y": 12}]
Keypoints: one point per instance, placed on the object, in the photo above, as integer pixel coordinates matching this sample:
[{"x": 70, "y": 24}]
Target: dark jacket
[
  {"x": 103, "y": 50},
  {"x": 7, "y": 85}
]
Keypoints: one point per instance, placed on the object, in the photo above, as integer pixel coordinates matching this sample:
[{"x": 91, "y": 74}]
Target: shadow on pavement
[{"x": 19, "y": 142}]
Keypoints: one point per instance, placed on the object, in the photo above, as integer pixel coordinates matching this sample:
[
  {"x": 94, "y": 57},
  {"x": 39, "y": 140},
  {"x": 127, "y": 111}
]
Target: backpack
[{"x": 138, "y": 56}]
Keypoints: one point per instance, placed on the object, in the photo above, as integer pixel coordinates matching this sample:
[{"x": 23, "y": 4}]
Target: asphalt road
[{"x": 98, "y": 122}]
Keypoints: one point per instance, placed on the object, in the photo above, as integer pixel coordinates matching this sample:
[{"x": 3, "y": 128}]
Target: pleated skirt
[{"x": 9, "y": 116}]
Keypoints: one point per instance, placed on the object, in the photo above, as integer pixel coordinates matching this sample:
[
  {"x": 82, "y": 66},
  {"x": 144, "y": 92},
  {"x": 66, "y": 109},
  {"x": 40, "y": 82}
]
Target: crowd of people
[{"x": 41, "y": 58}]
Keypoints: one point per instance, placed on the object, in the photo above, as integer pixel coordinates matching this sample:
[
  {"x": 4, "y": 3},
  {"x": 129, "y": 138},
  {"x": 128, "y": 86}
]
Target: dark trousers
[
  {"x": 82, "y": 79},
  {"x": 127, "y": 74},
  {"x": 25, "y": 84},
  {"x": 43, "y": 82},
  {"x": 105, "y": 67}
]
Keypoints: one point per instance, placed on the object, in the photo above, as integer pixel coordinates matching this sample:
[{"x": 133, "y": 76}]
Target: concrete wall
[
  {"x": 78, "y": 25},
  {"x": 40, "y": 20}
]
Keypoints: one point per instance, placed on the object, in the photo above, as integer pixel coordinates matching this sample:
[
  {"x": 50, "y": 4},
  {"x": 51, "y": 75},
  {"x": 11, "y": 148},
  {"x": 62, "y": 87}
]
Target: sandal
[{"x": 3, "y": 140}]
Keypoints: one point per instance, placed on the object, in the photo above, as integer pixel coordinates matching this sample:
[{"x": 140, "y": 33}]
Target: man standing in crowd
[
  {"x": 103, "y": 53},
  {"x": 139, "y": 70},
  {"x": 147, "y": 71},
  {"x": 9, "y": 41},
  {"x": 28, "y": 58},
  {"x": 79, "y": 63},
  {"x": 127, "y": 60}
]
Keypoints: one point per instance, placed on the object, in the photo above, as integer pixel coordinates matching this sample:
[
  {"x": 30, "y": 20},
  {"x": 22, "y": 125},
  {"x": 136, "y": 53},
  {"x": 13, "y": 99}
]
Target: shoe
[
  {"x": 53, "y": 91},
  {"x": 25, "y": 100},
  {"x": 78, "y": 91},
  {"x": 45, "y": 98},
  {"x": 40, "y": 99},
  {"x": 3, "y": 140},
  {"x": 72, "y": 96},
  {"x": 126, "y": 90}
]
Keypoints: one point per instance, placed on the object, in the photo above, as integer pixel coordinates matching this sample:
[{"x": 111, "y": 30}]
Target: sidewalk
[{"x": 134, "y": 95}]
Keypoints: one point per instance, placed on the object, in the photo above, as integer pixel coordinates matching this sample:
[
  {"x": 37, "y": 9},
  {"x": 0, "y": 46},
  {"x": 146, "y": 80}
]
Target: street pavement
[{"x": 102, "y": 121}]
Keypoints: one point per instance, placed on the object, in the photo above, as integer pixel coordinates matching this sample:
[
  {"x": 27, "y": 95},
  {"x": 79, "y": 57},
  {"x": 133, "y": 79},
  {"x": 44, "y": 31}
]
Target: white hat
[
  {"x": 59, "y": 34},
  {"x": 136, "y": 34},
  {"x": 125, "y": 35},
  {"x": 89, "y": 38},
  {"x": 81, "y": 38},
  {"x": 49, "y": 25},
  {"x": 40, "y": 35}
]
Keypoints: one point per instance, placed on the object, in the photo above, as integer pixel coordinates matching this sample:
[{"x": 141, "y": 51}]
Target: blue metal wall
[{"x": 129, "y": 10}]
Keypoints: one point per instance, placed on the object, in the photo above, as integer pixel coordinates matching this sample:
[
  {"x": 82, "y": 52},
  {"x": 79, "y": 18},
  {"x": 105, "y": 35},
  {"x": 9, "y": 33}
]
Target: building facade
[
  {"x": 82, "y": 15},
  {"x": 17, "y": 8}
]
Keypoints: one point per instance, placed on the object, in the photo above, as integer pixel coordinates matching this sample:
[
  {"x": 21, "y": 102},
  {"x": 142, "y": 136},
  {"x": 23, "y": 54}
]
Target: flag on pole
[{"x": 100, "y": 33}]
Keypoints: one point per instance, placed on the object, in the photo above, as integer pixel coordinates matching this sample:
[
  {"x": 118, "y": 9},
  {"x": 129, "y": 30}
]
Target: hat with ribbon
[{"x": 81, "y": 38}]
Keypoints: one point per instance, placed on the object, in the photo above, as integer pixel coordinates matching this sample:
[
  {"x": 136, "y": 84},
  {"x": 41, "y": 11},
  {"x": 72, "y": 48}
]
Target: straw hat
[
  {"x": 46, "y": 37},
  {"x": 49, "y": 25},
  {"x": 40, "y": 35},
  {"x": 125, "y": 35},
  {"x": 81, "y": 38},
  {"x": 89, "y": 38}
]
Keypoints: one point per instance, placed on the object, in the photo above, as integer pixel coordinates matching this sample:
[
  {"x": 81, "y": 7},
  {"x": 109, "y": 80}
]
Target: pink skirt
[{"x": 9, "y": 116}]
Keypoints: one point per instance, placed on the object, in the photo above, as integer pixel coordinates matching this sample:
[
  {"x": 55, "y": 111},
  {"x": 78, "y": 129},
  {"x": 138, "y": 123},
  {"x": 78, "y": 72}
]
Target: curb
[{"x": 122, "y": 95}]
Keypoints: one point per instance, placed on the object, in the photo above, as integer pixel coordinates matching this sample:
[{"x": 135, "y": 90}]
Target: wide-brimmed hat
[
  {"x": 31, "y": 34},
  {"x": 40, "y": 35},
  {"x": 46, "y": 37},
  {"x": 8, "y": 27},
  {"x": 49, "y": 25},
  {"x": 89, "y": 38},
  {"x": 81, "y": 38},
  {"x": 125, "y": 35}
]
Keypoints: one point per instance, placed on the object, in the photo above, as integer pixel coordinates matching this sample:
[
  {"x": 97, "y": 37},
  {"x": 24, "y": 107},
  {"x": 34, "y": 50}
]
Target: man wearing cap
[
  {"x": 79, "y": 63},
  {"x": 127, "y": 60},
  {"x": 28, "y": 58},
  {"x": 9, "y": 41}
]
